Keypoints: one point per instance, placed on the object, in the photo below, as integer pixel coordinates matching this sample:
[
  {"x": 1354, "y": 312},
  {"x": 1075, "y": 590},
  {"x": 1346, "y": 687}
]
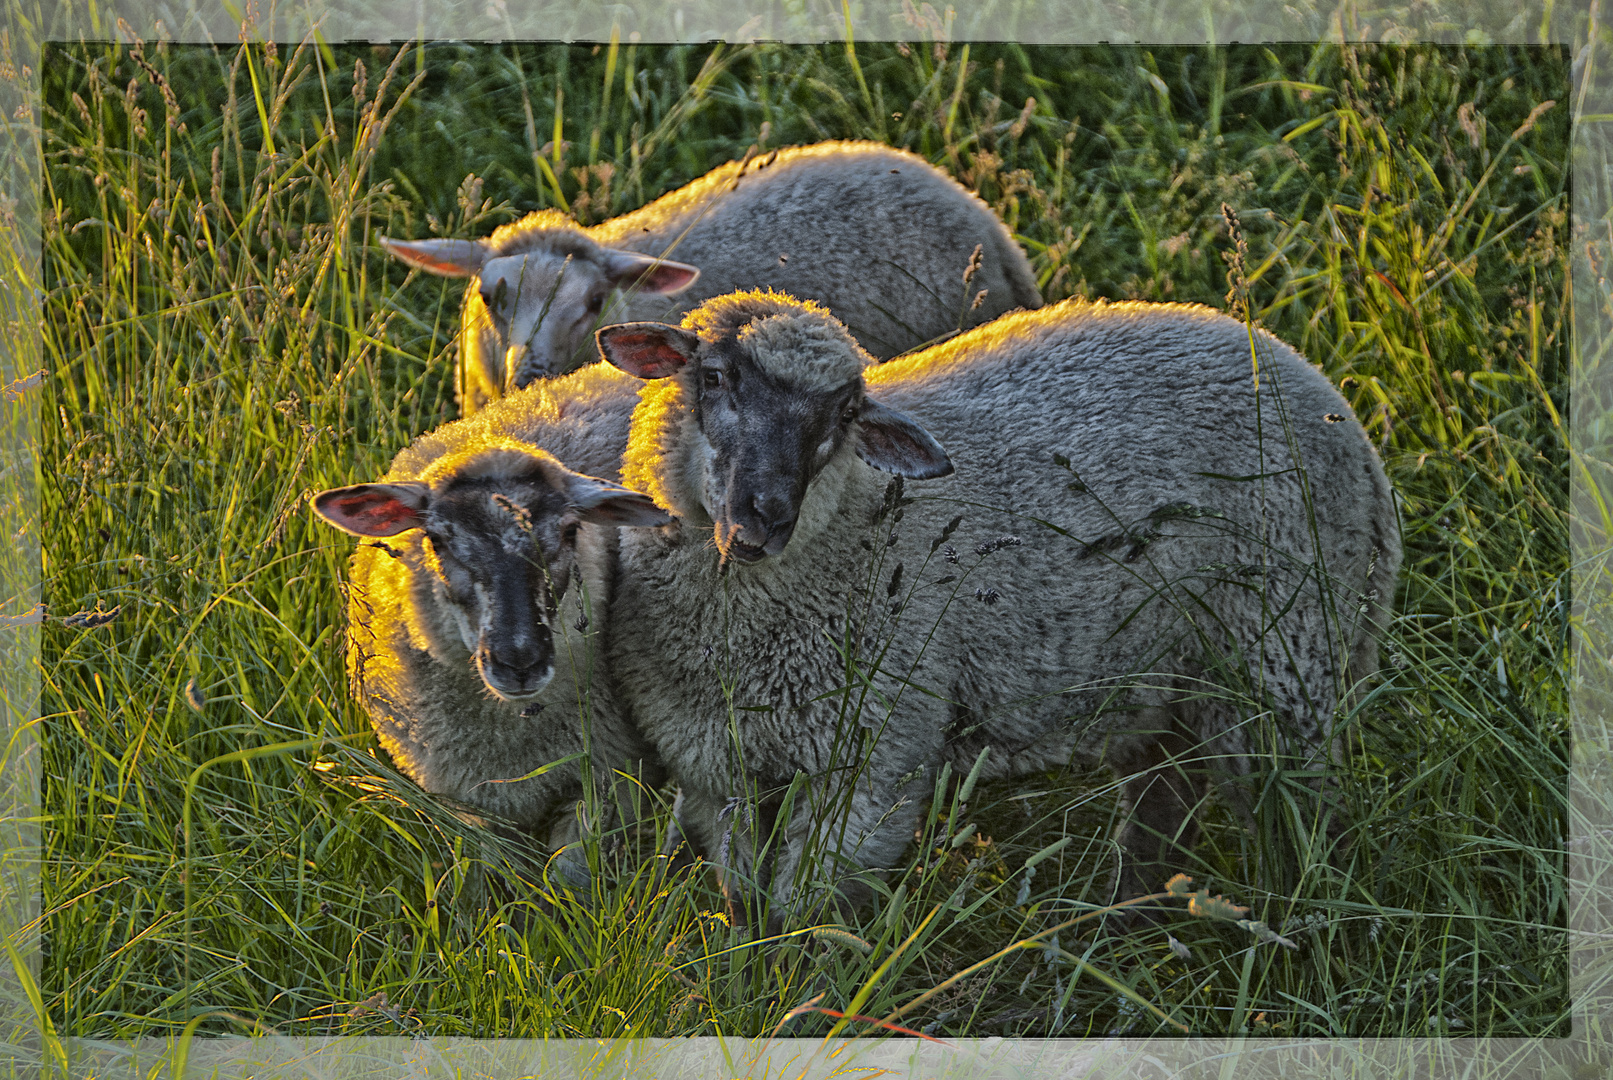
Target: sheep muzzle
[
  {"x": 753, "y": 540},
  {"x": 516, "y": 673}
]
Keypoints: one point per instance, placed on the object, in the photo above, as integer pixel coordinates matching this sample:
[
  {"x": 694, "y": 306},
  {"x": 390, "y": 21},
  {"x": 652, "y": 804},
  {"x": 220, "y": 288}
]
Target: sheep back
[
  {"x": 1181, "y": 486},
  {"x": 1084, "y": 599},
  {"x": 878, "y": 235}
]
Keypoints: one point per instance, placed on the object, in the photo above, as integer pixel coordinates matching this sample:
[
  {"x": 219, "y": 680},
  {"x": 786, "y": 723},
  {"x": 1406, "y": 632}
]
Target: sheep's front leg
[
  {"x": 719, "y": 827},
  {"x": 565, "y": 838},
  {"x": 836, "y": 836},
  {"x": 616, "y": 807}
]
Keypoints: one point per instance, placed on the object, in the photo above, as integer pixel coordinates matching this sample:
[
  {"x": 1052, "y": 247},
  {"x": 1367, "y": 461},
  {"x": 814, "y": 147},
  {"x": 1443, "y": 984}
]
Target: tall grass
[{"x": 226, "y": 844}]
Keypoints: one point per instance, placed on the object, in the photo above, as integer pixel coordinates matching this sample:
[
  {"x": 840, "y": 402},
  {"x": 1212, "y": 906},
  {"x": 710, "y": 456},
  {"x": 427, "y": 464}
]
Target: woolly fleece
[
  {"x": 408, "y": 665},
  {"x": 877, "y": 235},
  {"x": 1048, "y": 647}
]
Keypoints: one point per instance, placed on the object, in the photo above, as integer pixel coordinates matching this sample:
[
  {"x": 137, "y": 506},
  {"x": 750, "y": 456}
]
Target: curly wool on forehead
[
  {"x": 814, "y": 353},
  {"x": 499, "y": 459},
  {"x": 791, "y": 340},
  {"x": 542, "y": 231}
]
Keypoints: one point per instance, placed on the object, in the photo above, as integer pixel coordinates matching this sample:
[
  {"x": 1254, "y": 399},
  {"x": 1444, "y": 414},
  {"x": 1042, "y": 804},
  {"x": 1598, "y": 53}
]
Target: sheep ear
[
  {"x": 646, "y": 349},
  {"x": 629, "y": 269},
  {"x": 447, "y": 258},
  {"x": 374, "y": 509},
  {"x": 893, "y": 441},
  {"x": 604, "y": 503}
]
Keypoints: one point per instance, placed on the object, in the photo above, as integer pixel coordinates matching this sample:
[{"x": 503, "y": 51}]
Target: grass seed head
[
  {"x": 973, "y": 268},
  {"x": 89, "y": 620}
]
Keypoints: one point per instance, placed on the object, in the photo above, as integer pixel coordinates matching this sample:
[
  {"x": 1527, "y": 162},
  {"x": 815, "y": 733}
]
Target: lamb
[
  {"x": 876, "y": 234},
  {"x": 476, "y": 603},
  {"x": 1124, "y": 525}
]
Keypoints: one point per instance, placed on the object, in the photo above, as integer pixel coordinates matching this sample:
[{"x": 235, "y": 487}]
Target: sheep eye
[
  {"x": 569, "y": 534},
  {"x": 714, "y": 379},
  {"x": 494, "y": 295},
  {"x": 848, "y": 414},
  {"x": 450, "y": 570},
  {"x": 595, "y": 303}
]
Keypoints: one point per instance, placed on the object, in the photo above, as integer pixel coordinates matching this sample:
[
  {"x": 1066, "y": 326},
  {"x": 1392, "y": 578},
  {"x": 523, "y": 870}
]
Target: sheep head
[
  {"x": 500, "y": 528},
  {"x": 775, "y": 389},
  {"x": 543, "y": 303}
]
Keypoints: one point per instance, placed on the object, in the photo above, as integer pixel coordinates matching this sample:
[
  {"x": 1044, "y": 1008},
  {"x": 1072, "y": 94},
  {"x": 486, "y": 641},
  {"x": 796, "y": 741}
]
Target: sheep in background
[
  {"x": 877, "y": 235},
  {"x": 1132, "y": 427},
  {"x": 477, "y": 599}
]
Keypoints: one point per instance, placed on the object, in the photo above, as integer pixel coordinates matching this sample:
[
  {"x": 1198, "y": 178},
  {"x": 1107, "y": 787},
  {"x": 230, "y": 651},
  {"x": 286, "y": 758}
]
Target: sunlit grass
[{"x": 223, "y": 337}]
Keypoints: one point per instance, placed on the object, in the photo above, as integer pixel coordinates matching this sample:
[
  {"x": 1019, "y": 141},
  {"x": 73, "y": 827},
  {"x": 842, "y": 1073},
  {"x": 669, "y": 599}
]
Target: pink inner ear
[
  {"x": 667, "y": 278},
  {"x": 370, "y": 512},
  {"x": 449, "y": 258},
  {"x": 644, "y": 353}
]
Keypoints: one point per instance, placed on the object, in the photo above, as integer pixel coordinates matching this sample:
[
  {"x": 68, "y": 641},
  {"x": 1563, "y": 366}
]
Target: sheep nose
[
  {"x": 777, "y": 516},
  {"x": 515, "y": 674},
  {"x": 778, "y": 536},
  {"x": 774, "y": 511}
]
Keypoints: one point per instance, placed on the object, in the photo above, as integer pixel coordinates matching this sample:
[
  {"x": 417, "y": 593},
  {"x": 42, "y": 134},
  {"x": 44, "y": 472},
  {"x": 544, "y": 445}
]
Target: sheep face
[
  {"x": 499, "y": 543},
  {"x": 766, "y": 426},
  {"x": 543, "y": 304},
  {"x": 543, "y": 307}
]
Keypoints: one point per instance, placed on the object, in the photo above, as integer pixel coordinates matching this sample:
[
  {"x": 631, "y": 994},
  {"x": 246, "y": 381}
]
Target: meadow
[{"x": 225, "y": 844}]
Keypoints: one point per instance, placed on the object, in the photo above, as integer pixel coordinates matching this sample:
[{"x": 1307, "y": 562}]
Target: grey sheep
[
  {"x": 877, "y": 235},
  {"x": 476, "y": 602},
  {"x": 1181, "y": 526}
]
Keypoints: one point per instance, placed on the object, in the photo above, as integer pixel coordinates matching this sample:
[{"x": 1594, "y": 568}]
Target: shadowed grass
[{"x": 223, "y": 338}]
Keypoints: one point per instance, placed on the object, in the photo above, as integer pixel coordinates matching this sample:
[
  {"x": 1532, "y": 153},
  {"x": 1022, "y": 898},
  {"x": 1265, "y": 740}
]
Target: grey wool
[
  {"x": 1104, "y": 553},
  {"x": 879, "y": 236},
  {"x": 476, "y": 604}
]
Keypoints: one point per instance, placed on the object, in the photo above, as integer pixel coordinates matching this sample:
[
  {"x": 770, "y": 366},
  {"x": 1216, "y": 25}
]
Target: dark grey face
[
  {"x": 501, "y": 542},
  {"x": 503, "y": 551},
  {"x": 767, "y": 439}
]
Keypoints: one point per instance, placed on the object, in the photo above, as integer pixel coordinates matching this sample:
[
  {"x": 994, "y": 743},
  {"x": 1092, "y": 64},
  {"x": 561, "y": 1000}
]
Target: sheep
[
  {"x": 476, "y": 600},
  {"x": 876, "y": 234},
  {"x": 1122, "y": 524}
]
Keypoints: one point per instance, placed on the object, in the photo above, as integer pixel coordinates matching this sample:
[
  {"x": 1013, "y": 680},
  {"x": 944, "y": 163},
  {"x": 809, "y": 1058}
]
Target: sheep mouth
[
  {"x": 730, "y": 546},
  {"x": 519, "y": 691},
  {"x": 746, "y": 553},
  {"x": 513, "y": 698}
]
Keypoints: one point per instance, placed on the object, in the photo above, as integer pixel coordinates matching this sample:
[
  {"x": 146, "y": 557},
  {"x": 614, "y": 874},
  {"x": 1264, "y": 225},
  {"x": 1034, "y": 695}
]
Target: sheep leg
[
  {"x": 848, "y": 834},
  {"x": 720, "y": 828},
  {"x": 509, "y": 862},
  {"x": 1300, "y": 681},
  {"x": 678, "y": 847},
  {"x": 569, "y": 864},
  {"x": 616, "y": 806},
  {"x": 1162, "y": 783}
]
